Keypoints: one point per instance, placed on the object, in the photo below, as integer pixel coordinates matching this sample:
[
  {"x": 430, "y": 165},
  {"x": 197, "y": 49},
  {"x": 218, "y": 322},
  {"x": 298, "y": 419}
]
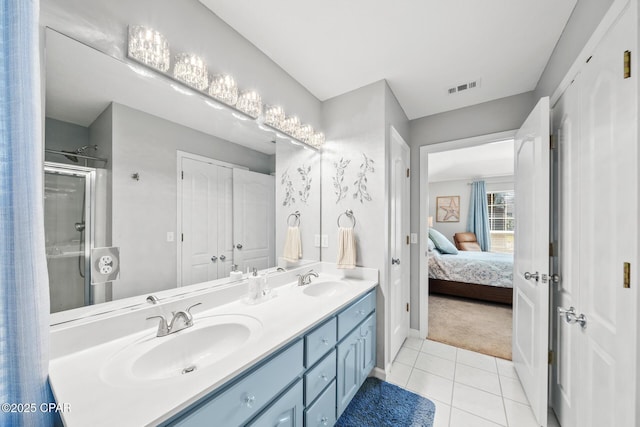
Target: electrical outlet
[
  {"x": 316, "y": 240},
  {"x": 414, "y": 238},
  {"x": 325, "y": 241}
]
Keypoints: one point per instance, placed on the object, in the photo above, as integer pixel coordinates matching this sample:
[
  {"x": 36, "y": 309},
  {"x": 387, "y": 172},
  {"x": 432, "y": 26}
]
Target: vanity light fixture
[
  {"x": 290, "y": 125},
  {"x": 149, "y": 47},
  {"x": 304, "y": 133},
  {"x": 192, "y": 70},
  {"x": 224, "y": 88},
  {"x": 274, "y": 116},
  {"x": 250, "y": 103},
  {"x": 317, "y": 139}
]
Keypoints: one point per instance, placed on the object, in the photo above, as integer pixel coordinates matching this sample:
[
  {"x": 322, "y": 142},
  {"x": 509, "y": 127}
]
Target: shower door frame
[{"x": 89, "y": 175}]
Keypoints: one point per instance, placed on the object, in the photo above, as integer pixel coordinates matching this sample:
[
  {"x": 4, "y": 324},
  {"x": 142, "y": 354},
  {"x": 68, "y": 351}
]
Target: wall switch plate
[
  {"x": 325, "y": 241},
  {"x": 316, "y": 240},
  {"x": 170, "y": 236},
  {"x": 414, "y": 238}
]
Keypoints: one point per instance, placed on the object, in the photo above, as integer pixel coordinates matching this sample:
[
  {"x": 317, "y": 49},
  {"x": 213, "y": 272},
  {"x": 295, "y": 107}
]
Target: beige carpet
[{"x": 473, "y": 325}]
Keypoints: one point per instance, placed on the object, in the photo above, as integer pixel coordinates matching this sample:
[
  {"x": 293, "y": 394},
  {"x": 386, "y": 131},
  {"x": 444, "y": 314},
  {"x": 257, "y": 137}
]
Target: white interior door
[
  {"x": 565, "y": 372},
  {"x": 609, "y": 230},
  {"x": 225, "y": 221},
  {"x": 254, "y": 215},
  {"x": 531, "y": 258},
  {"x": 199, "y": 226},
  {"x": 400, "y": 263}
]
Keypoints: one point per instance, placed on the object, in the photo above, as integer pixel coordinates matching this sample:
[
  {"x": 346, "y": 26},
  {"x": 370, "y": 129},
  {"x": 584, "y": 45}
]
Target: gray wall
[
  {"x": 144, "y": 211},
  {"x": 59, "y": 135},
  {"x": 188, "y": 26},
  {"x": 584, "y": 19},
  {"x": 481, "y": 119}
]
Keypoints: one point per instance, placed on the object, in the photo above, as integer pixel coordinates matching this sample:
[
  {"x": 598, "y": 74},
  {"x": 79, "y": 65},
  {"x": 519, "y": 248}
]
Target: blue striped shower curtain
[
  {"x": 478, "y": 221},
  {"x": 24, "y": 288}
]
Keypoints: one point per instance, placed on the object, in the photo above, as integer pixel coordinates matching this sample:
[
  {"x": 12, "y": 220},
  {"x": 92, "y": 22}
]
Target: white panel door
[
  {"x": 531, "y": 258},
  {"x": 400, "y": 263},
  {"x": 565, "y": 375},
  {"x": 253, "y": 219},
  {"x": 199, "y": 222},
  {"x": 609, "y": 230}
]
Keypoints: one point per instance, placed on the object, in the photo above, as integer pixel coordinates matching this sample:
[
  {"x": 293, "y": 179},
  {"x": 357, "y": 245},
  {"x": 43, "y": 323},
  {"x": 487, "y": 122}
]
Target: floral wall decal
[
  {"x": 339, "y": 189},
  {"x": 361, "y": 183},
  {"x": 289, "y": 191},
  {"x": 305, "y": 175}
]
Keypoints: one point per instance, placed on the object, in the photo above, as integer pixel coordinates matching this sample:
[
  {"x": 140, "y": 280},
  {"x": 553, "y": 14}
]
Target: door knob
[
  {"x": 555, "y": 278},
  {"x": 214, "y": 258},
  {"x": 239, "y": 246},
  {"x": 530, "y": 276},
  {"x": 222, "y": 257},
  {"x": 395, "y": 261},
  {"x": 569, "y": 314}
]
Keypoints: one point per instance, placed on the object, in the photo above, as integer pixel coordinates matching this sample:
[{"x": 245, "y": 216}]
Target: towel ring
[
  {"x": 296, "y": 219},
  {"x": 349, "y": 214}
]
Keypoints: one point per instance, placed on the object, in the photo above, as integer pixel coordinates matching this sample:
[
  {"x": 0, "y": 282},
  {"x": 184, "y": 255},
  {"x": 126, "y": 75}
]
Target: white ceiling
[
  {"x": 421, "y": 47},
  {"x": 483, "y": 161}
]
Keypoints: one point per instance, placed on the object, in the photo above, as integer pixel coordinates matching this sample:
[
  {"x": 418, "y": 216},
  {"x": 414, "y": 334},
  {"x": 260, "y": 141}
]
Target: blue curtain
[
  {"x": 24, "y": 288},
  {"x": 478, "y": 221}
]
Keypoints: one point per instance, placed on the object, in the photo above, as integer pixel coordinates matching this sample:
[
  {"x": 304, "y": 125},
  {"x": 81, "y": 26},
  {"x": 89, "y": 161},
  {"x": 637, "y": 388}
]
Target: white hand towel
[
  {"x": 346, "y": 248},
  {"x": 292, "y": 245}
]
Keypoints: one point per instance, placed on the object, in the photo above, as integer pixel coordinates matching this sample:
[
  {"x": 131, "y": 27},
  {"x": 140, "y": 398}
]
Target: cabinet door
[
  {"x": 349, "y": 368},
  {"x": 368, "y": 347},
  {"x": 287, "y": 411}
]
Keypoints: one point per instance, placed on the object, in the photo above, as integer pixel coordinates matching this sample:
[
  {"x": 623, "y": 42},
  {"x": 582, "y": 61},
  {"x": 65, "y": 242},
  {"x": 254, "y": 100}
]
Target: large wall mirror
[{"x": 180, "y": 185}]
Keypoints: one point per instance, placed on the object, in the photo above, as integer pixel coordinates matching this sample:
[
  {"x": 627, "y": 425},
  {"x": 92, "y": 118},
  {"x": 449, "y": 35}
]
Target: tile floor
[{"x": 469, "y": 389}]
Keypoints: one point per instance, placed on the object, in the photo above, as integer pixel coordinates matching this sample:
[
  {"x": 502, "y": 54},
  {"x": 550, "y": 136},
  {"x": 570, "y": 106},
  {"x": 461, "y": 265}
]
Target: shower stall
[{"x": 69, "y": 212}]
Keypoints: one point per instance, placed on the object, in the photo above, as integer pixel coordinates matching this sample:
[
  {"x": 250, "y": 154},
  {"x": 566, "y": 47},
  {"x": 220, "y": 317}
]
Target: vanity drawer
[
  {"x": 323, "y": 411},
  {"x": 319, "y": 342},
  {"x": 316, "y": 379},
  {"x": 356, "y": 313},
  {"x": 246, "y": 397}
]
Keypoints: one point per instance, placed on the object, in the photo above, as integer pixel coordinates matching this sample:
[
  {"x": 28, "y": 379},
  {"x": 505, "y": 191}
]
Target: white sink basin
[
  {"x": 183, "y": 353},
  {"x": 323, "y": 289}
]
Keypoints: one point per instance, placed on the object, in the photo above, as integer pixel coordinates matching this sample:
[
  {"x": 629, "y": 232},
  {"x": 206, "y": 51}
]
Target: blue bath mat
[{"x": 380, "y": 404}]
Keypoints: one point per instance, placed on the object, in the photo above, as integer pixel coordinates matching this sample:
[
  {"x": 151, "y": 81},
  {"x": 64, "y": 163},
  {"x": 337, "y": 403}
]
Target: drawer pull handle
[
  {"x": 324, "y": 340},
  {"x": 365, "y": 334},
  {"x": 249, "y": 400},
  {"x": 324, "y": 421},
  {"x": 360, "y": 312},
  {"x": 324, "y": 377}
]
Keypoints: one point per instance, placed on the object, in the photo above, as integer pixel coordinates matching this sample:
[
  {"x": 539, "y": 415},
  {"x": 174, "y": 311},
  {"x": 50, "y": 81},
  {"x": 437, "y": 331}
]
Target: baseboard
[
  {"x": 414, "y": 333},
  {"x": 378, "y": 373}
]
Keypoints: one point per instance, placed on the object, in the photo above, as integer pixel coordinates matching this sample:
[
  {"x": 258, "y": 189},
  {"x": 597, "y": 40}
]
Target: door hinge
[
  {"x": 182, "y": 174},
  {"x": 407, "y": 240},
  {"x": 408, "y": 173},
  {"x": 627, "y": 64},
  {"x": 550, "y": 357},
  {"x": 552, "y": 250},
  {"x": 627, "y": 275},
  {"x": 407, "y": 306},
  {"x": 552, "y": 142}
]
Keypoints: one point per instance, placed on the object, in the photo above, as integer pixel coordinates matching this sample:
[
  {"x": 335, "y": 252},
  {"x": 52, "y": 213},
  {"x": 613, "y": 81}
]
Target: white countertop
[{"x": 79, "y": 378}]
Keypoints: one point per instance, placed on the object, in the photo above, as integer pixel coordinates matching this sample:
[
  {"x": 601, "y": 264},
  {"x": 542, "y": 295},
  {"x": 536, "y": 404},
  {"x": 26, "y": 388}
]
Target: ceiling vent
[{"x": 464, "y": 86}]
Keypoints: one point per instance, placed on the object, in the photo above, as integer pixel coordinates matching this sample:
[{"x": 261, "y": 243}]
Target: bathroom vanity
[{"x": 295, "y": 358}]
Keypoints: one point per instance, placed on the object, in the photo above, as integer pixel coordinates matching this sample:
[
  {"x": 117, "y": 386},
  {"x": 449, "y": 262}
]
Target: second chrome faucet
[
  {"x": 181, "y": 320},
  {"x": 305, "y": 279}
]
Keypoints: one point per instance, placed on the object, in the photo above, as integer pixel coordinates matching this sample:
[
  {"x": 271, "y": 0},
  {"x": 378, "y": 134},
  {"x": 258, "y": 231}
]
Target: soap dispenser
[
  {"x": 254, "y": 285},
  {"x": 235, "y": 274}
]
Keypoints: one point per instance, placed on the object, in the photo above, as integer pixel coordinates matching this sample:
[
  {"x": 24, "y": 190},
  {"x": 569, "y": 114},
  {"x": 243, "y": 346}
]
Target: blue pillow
[{"x": 442, "y": 243}]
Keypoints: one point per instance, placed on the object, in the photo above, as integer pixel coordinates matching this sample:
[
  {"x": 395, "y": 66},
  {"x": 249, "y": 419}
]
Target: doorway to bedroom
[{"x": 470, "y": 221}]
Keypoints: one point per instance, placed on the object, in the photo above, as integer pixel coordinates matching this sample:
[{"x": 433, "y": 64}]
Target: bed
[{"x": 484, "y": 276}]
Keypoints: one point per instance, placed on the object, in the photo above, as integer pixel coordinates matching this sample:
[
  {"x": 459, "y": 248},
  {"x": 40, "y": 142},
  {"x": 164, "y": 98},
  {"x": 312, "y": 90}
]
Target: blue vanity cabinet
[{"x": 287, "y": 411}]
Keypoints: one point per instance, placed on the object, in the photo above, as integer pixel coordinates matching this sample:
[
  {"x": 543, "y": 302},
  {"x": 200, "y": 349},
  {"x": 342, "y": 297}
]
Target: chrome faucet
[
  {"x": 181, "y": 320},
  {"x": 305, "y": 279}
]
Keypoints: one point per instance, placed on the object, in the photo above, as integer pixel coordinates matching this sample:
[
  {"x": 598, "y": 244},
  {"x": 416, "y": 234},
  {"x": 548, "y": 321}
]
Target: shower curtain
[
  {"x": 24, "y": 293},
  {"x": 478, "y": 221}
]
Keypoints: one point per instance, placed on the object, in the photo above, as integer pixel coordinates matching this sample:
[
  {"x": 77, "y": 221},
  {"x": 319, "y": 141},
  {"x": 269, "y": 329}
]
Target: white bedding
[{"x": 482, "y": 268}]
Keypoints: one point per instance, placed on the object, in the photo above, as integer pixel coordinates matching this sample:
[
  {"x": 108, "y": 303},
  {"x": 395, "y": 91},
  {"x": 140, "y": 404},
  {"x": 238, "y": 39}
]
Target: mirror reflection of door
[{"x": 68, "y": 233}]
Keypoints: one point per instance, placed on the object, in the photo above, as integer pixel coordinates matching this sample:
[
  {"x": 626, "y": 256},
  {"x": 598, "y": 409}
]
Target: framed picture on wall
[{"x": 448, "y": 209}]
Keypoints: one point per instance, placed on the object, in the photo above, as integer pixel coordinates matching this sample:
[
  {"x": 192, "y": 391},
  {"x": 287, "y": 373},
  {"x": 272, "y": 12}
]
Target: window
[{"x": 501, "y": 220}]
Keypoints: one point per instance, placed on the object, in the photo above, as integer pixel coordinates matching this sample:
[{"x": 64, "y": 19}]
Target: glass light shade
[
  {"x": 250, "y": 103},
  {"x": 290, "y": 125},
  {"x": 317, "y": 139},
  {"x": 149, "y": 47},
  {"x": 192, "y": 70},
  {"x": 304, "y": 133},
  {"x": 274, "y": 116},
  {"x": 223, "y": 87}
]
